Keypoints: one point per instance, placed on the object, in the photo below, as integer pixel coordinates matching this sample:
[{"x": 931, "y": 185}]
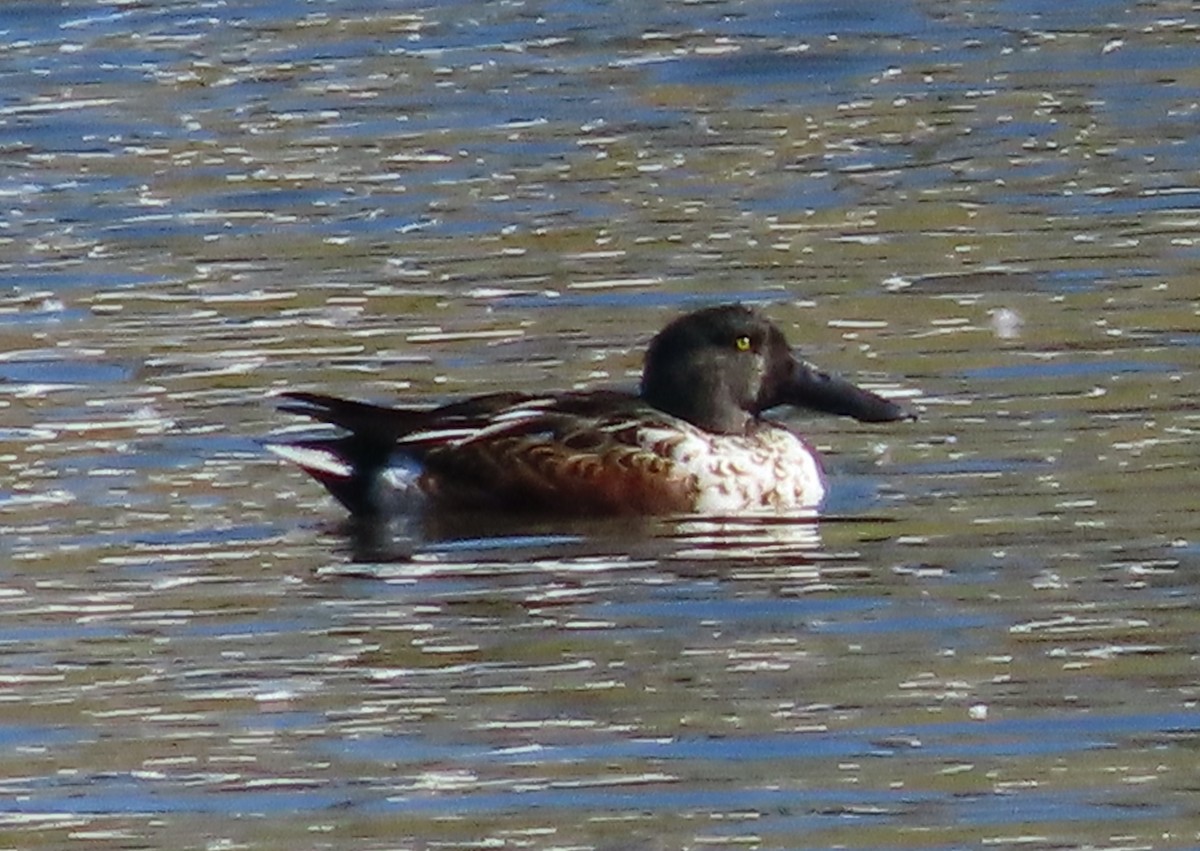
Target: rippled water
[{"x": 988, "y": 208}]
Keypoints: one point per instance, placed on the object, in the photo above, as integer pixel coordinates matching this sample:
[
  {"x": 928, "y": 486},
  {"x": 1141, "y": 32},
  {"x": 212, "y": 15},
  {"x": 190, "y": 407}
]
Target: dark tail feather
[
  {"x": 374, "y": 423},
  {"x": 349, "y": 466}
]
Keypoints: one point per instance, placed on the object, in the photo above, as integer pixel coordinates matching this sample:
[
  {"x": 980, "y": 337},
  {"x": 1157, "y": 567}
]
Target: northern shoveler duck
[{"x": 693, "y": 440}]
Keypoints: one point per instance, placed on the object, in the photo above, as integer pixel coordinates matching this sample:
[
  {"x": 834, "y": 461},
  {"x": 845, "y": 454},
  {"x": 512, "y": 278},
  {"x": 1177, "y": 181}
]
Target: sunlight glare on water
[{"x": 986, "y": 210}]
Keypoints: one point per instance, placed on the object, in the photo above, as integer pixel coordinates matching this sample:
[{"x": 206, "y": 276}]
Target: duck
[{"x": 693, "y": 440}]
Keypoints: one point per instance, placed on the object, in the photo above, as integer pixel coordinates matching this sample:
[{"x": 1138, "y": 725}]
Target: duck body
[{"x": 693, "y": 441}]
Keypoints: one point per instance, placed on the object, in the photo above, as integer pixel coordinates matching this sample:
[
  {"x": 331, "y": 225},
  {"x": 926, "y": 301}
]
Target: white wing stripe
[{"x": 308, "y": 458}]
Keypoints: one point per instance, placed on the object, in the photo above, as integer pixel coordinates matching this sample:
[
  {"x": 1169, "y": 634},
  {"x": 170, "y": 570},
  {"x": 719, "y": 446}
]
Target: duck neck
[{"x": 700, "y": 400}]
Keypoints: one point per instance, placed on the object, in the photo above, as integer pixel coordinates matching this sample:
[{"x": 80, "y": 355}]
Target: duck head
[{"x": 721, "y": 367}]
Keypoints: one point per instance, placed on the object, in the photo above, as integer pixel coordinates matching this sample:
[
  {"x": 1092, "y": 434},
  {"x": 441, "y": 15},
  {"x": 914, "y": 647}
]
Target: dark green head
[{"x": 720, "y": 367}]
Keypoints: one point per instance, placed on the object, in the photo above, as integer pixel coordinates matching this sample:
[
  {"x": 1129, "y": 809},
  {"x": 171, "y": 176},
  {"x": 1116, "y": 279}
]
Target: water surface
[{"x": 987, "y": 209}]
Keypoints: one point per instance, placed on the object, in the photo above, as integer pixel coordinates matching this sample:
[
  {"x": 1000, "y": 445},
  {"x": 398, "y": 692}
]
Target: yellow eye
[{"x": 742, "y": 343}]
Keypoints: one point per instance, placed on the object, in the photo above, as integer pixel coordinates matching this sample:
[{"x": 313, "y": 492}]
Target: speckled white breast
[{"x": 772, "y": 470}]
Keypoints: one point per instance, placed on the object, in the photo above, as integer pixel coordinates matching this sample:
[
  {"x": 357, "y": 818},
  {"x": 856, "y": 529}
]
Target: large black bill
[{"x": 821, "y": 391}]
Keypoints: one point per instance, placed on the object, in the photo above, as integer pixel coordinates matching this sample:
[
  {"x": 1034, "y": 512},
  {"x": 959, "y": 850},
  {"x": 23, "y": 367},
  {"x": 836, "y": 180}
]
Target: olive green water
[{"x": 989, "y": 209}]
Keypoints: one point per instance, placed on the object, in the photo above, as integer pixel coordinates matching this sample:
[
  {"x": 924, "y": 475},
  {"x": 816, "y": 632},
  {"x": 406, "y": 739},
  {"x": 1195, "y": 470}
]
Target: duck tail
[{"x": 357, "y": 468}]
